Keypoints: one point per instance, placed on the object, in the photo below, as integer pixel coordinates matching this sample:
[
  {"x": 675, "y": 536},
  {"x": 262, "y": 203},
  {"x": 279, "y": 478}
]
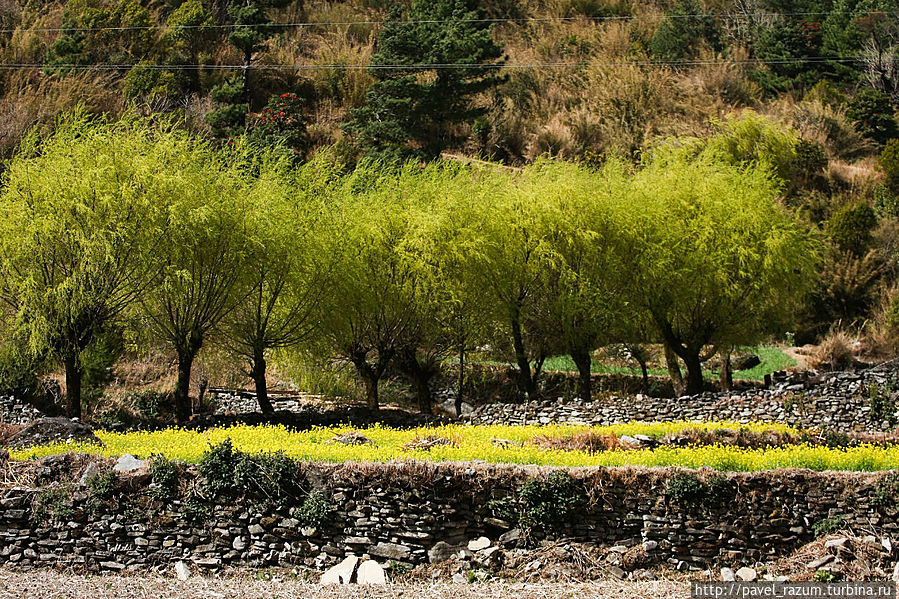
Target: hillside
[{"x": 579, "y": 76}]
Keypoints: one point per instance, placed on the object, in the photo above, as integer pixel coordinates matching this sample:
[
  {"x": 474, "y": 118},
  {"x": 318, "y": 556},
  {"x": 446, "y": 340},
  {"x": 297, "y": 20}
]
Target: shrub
[
  {"x": 851, "y": 228},
  {"x": 18, "y": 372},
  {"x": 547, "y": 504},
  {"x": 889, "y": 162},
  {"x": 315, "y": 511},
  {"x": 103, "y": 486},
  {"x": 883, "y": 404},
  {"x": 53, "y": 504},
  {"x": 828, "y": 526},
  {"x": 164, "y": 477},
  {"x": 887, "y": 491},
  {"x": 872, "y": 113},
  {"x": 269, "y": 478},
  {"x": 686, "y": 489},
  {"x": 835, "y": 352}
]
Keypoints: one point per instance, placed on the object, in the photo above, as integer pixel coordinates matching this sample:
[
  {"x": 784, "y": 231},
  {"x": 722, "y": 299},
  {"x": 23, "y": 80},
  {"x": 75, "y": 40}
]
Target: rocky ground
[{"x": 248, "y": 585}]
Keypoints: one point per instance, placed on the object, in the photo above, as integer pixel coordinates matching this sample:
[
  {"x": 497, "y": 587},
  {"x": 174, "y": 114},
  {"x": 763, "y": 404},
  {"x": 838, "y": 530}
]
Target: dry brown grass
[{"x": 837, "y": 351}]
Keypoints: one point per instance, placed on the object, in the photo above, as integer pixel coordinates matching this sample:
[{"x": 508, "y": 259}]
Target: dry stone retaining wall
[
  {"x": 841, "y": 401},
  {"x": 401, "y": 511}
]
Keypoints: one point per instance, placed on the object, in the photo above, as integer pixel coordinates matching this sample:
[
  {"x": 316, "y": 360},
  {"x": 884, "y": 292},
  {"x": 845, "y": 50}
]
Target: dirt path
[{"x": 47, "y": 584}]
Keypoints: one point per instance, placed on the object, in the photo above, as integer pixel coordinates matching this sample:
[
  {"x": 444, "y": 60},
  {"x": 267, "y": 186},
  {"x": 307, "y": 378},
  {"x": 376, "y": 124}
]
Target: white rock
[
  {"x": 727, "y": 575},
  {"x": 182, "y": 571},
  {"x": 747, "y": 574},
  {"x": 836, "y": 543},
  {"x": 128, "y": 463},
  {"x": 459, "y": 578},
  {"x": 896, "y": 573},
  {"x": 650, "y": 545},
  {"x": 478, "y": 544},
  {"x": 342, "y": 573},
  {"x": 887, "y": 544},
  {"x": 93, "y": 469},
  {"x": 371, "y": 572}
]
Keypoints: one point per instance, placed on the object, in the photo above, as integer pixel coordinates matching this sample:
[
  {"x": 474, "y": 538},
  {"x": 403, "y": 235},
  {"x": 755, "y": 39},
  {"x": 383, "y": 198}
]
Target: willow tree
[
  {"x": 367, "y": 309},
  {"x": 202, "y": 252},
  {"x": 715, "y": 260},
  {"x": 580, "y": 303},
  {"x": 78, "y": 217},
  {"x": 286, "y": 270},
  {"x": 507, "y": 242}
]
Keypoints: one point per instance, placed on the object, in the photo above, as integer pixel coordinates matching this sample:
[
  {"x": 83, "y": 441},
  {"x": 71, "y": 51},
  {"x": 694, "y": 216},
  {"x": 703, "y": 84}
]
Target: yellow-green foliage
[{"x": 477, "y": 443}]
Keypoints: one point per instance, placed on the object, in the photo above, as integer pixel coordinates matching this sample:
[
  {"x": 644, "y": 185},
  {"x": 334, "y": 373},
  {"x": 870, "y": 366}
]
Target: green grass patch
[{"x": 772, "y": 357}]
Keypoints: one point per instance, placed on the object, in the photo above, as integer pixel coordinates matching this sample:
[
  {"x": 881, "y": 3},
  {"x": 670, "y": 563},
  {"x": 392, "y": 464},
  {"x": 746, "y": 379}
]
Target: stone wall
[
  {"x": 841, "y": 401},
  {"x": 401, "y": 511},
  {"x": 15, "y": 411}
]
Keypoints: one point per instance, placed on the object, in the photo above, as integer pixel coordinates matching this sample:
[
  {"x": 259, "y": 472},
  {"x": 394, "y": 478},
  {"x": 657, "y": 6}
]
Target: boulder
[
  {"x": 747, "y": 574},
  {"x": 371, "y": 572},
  {"x": 744, "y": 361},
  {"x": 391, "y": 551},
  {"x": 342, "y": 573},
  {"x": 48, "y": 430},
  {"x": 441, "y": 552},
  {"x": 478, "y": 544},
  {"x": 182, "y": 571},
  {"x": 93, "y": 469},
  {"x": 128, "y": 464}
]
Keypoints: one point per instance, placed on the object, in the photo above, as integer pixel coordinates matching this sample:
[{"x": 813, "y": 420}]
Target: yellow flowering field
[{"x": 495, "y": 444}]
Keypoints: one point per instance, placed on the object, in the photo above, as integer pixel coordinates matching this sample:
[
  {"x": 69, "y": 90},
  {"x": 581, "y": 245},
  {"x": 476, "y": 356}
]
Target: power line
[
  {"x": 426, "y": 67},
  {"x": 729, "y": 17}
]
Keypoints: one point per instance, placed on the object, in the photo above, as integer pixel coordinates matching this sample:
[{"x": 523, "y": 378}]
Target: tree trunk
[
  {"x": 674, "y": 373},
  {"x": 726, "y": 373},
  {"x": 582, "y": 360},
  {"x": 371, "y": 391},
  {"x": 524, "y": 366},
  {"x": 694, "y": 372},
  {"x": 74, "y": 375},
  {"x": 258, "y": 372},
  {"x": 183, "y": 407},
  {"x": 645, "y": 372}
]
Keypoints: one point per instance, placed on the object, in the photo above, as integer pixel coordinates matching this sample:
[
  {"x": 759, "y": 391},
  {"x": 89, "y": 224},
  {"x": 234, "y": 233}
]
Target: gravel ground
[{"x": 48, "y": 584}]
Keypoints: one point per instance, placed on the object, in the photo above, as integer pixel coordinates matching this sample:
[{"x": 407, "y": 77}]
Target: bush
[
  {"x": 835, "y": 352},
  {"x": 887, "y": 491},
  {"x": 851, "y": 228},
  {"x": 872, "y": 113},
  {"x": 889, "y": 162},
  {"x": 686, "y": 489},
  {"x": 18, "y": 372},
  {"x": 828, "y": 526},
  {"x": 164, "y": 475},
  {"x": 547, "y": 504},
  {"x": 53, "y": 504},
  {"x": 268, "y": 478},
  {"x": 315, "y": 511}
]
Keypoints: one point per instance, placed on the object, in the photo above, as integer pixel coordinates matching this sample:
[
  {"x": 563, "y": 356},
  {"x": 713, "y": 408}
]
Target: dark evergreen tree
[
  {"x": 252, "y": 28},
  {"x": 431, "y": 59}
]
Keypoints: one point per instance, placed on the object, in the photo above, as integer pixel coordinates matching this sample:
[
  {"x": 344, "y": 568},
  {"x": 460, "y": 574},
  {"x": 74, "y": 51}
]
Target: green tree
[
  {"x": 96, "y": 32},
  {"x": 203, "y": 253},
  {"x": 581, "y": 273},
  {"x": 79, "y": 215},
  {"x": 432, "y": 58},
  {"x": 685, "y": 27},
  {"x": 716, "y": 261},
  {"x": 367, "y": 311},
  {"x": 252, "y": 28},
  {"x": 872, "y": 113},
  {"x": 284, "y": 272},
  {"x": 190, "y": 29}
]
